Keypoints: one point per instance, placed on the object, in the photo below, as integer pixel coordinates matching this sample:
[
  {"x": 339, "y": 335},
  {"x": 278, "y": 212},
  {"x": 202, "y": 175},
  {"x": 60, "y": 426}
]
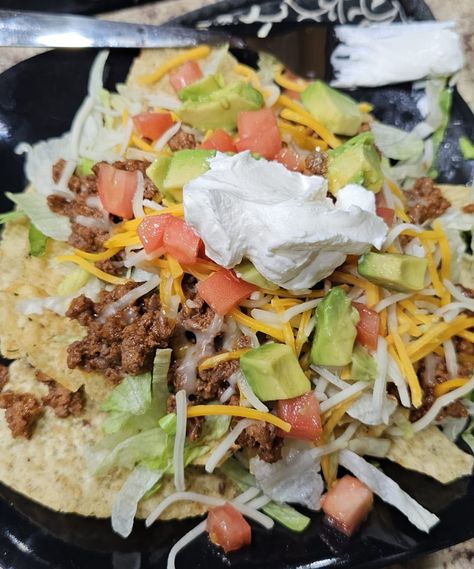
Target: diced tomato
[
  {"x": 368, "y": 326},
  {"x": 223, "y": 291},
  {"x": 171, "y": 233},
  {"x": 219, "y": 140},
  {"x": 387, "y": 214},
  {"x": 303, "y": 415},
  {"x": 258, "y": 132},
  {"x": 152, "y": 125},
  {"x": 181, "y": 241},
  {"x": 116, "y": 190},
  {"x": 151, "y": 231},
  {"x": 289, "y": 159},
  {"x": 347, "y": 504},
  {"x": 184, "y": 75},
  {"x": 228, "y": 528}
]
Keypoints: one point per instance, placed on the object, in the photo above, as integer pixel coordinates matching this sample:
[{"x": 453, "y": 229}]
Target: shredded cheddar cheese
[
  {"x": 190, "y": 55},
  {"x": 94, "y": 257},
  {"x": 237, "y": 411},
  {"x": 142, "y": 145},
  {"x": 91, "y": 269},
  {"x": 257, "y": 326},
  {"x": 449, "y": 385},
  {"x": 296, "y": 113},
  {"x": 211, "y": 362},
  {"x": 408, "y": 370},
  {"x": 366, "y": 108},
  {"x": 281, "y": 79}
]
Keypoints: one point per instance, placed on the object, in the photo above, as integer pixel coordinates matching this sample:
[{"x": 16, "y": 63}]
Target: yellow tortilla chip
[
  {"x": 432, "y": 453},
  {"x": 51, "y": 467},
  {"x": 150, "y": 60},
  {"x": 41, "y": 339}
]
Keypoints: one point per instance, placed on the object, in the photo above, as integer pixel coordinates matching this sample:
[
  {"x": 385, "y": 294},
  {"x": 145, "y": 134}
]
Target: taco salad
[{"x": 231, "y": 290}]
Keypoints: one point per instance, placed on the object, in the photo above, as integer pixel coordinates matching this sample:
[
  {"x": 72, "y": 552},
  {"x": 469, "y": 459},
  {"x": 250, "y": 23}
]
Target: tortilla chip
[
  {"x": 42, "y": 339},
  {"x": 457, "y": 195},
  {"x": 432, "y": 453},
  {"x": 150, "y": 60},
  {"x": 51, "y": 467}
]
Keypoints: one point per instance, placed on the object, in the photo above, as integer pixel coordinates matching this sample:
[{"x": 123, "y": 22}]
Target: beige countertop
[{"x": 462, "y": 11}]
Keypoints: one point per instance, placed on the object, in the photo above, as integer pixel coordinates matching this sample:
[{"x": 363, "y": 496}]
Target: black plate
[{"x": 38, "y": 99}]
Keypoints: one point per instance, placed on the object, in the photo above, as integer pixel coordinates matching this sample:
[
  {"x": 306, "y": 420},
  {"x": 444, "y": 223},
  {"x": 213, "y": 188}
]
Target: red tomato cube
[
  {"x": 181, "y": 241},
  {"x": 116, "y": 190},
  {"x": 223, "y": 291},
  {"x": 303, "y": 415},
  {"x": 219, "y": 140},
  {"x": 368, "y": 326},
  {"x": 347, "y": 504},
  {"x": 228, "y": 528},
  {"x": 258, "y": 132},
  {"x": 152, "y": 125},
  {"x": 151, "y": 231},
  {"x": 387, "y": 214},
  {"x": 289, "y": 159},
  {"x": 184, "y": 75}
]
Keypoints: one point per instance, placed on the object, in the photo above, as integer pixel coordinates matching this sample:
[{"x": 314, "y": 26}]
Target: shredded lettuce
[
  {"x": 445, "y": 103},
  {"x": 84, "y": 167},
  {"x": 140, "y": 481},
  {"x": 10, "y": 216},
  {"x": 37, "y": 241},
  {"x": 396, "y": 143},
  {"x": 161, "y": 365},
  {"x": 132, "y": 395},
  {"x": 284, "y": 514},
  {"x": 168, "y": 423},
  {"x": 73, "y": 282},
  {"x": 468, "y": 436},
  {"x": 35, "y": 206},
  {"x": 467, "y": 148}
]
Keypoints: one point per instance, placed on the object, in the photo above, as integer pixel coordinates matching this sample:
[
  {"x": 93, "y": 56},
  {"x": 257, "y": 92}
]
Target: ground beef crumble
[
  {"x": 263, "y": 438},
  {"x": 124, "y": 343},
  {"x": 22, "y": 411},
  {"x": 425, "y": 201},
  {"x": 316, "y": 164},
  {"x": 181, "y": 141},
  {"x": 211, "y": 383},
  {"x": 455, "y": 409},
  {"x": 3, "y": 376},
  {"x": 63, "y": 401}
]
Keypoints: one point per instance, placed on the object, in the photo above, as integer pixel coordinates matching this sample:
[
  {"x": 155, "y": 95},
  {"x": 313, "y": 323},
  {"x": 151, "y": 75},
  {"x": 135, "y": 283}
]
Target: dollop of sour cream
[{"x": 282, "y": 221}]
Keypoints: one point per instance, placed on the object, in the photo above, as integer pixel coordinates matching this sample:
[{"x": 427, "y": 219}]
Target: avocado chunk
[
  {"x": 247, "y": 272},
  {"x": 355, "y": 162},
  {"x": 202, "y": 88},
  {"x": 273, "y": 372},
  {"x": 404, "y": 273},
  {"x": 185, "y": 165},
  {"x": 336, "y": 331},
  {"x": 338, "y": 112},
  {"x": 84, "y": 167},
  {"x": 158, "y": 169},
  {"x": 363, "y": 366},
  {"x": 220, "y": 108}
]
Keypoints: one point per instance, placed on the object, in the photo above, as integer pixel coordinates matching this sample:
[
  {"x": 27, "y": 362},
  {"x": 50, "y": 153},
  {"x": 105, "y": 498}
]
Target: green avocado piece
[
  {"x": 247, "y": 272},
  {"x": 355, "y": 162},
  {"x": 338, "y": 112},
  {"x": 363, "y": 366},
  {"x": 157, "y": 170},
  {"x": 185, "y": 165},
  {"x": 84, "y": 167},
  {"x": 273, "y": 372},
  {"x": 405, "y": 273},
  {"x": 202, "y": 88},
  {"x": 336, "y": 331},
  {"x": 220, "y": 108}
]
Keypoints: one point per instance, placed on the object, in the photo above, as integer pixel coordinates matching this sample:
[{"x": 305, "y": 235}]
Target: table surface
[{"x": 462, "y": 11}]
